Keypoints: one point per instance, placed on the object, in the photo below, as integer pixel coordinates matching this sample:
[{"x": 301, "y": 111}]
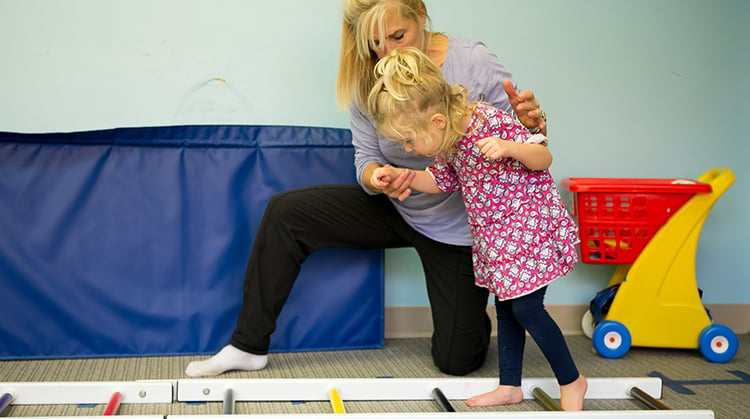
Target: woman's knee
[
  {"x": 462, "y": 355},
  {"x": 282, "y": 201},
  {"x": 283, "y": 206},
  {"x": 458, "y": 363}
]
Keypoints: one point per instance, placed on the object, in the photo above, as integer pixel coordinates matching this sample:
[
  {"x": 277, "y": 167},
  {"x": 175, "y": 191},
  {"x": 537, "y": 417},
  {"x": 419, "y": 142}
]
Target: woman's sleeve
[
  {"x": 365, "y": 142},
  {"x": 488, "y": 74}
]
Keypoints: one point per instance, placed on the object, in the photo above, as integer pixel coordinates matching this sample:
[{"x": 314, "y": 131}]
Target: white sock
[{"x": 228, "y": 358}]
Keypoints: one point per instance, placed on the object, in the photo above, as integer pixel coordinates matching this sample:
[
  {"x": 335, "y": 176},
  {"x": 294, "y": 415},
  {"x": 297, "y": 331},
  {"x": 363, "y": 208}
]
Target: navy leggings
[{"x": 527, "y": 313}]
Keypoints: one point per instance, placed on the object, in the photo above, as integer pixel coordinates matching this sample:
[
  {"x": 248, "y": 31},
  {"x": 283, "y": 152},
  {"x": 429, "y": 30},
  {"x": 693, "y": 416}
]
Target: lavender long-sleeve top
[{"x": 441, "y": 217}]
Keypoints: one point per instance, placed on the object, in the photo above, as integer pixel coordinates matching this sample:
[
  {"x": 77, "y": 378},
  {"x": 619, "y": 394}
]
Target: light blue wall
[{"x": 633, "y": 88}]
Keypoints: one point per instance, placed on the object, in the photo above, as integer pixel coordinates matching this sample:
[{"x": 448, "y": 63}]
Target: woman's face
[{"x": 400, "y": 32}]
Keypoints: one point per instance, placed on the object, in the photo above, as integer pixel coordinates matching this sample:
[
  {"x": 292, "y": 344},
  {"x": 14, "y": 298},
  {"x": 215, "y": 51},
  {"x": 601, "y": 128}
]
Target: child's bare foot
[
  {"x": 500, "y": 395},
  {"x": 571, "y": 395}
]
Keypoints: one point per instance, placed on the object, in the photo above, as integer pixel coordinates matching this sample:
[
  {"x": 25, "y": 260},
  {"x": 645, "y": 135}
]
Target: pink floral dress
[{"x": 523, "y": 237}]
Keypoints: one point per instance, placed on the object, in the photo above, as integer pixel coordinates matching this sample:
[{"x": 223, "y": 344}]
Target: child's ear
[{"x": 439, "y": 121}]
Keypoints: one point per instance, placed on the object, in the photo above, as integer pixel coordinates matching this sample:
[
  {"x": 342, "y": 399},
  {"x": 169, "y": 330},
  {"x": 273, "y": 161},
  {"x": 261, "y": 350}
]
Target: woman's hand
[
  {"x": 392, "y": 181},
  {"x": 526, "y": 107}
]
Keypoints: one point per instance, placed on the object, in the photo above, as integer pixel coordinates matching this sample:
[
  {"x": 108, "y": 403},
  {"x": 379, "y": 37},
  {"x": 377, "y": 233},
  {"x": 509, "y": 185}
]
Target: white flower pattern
[{"x": 523, "y": 236}]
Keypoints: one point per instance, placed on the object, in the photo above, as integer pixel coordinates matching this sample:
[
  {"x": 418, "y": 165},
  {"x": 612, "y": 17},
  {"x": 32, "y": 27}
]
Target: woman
[{"x": 298, "y": 222}]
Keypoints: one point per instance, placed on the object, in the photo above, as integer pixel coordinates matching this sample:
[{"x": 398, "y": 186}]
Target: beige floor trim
[{"x": 411, "y": 322}]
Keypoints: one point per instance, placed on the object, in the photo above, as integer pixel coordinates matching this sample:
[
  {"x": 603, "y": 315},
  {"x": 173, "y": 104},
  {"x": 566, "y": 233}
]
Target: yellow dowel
[{"x": 336, "y": 403}]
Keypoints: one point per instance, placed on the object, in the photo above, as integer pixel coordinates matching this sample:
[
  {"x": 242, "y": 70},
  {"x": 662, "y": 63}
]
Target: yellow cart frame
[{"x": 655, "y": 300}]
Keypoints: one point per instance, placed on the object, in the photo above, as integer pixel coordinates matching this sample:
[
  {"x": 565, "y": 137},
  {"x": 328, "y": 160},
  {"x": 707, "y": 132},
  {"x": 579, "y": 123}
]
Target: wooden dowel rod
[{"x": 545, "y": 400}]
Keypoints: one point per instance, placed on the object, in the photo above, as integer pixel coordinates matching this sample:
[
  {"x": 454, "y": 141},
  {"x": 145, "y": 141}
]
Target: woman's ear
[{"x": 438, "y": 121}]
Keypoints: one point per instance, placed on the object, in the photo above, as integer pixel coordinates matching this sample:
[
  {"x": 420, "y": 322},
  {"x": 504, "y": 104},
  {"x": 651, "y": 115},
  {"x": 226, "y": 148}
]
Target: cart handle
[{"x": 720, "y": 179}]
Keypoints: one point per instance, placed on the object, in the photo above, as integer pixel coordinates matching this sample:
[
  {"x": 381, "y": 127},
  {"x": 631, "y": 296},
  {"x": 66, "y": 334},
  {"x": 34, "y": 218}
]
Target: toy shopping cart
[{"x": 650, "y": 229}]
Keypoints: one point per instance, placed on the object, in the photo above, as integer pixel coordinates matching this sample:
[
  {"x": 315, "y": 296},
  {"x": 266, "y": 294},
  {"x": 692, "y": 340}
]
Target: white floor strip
[
  {"x": 598, "y": 414},
  {"x": 90, "y": 392},
  {"x": 309, "y": 389},
  {"x": 197, "y": 390}
]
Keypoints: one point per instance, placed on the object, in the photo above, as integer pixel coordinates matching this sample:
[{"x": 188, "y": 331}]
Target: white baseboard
[{"x": 409, "y": 322}]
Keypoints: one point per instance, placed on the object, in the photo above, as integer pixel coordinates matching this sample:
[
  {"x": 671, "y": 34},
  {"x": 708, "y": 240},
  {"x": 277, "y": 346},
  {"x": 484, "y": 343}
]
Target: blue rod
[{"x": 5, "y": 401}]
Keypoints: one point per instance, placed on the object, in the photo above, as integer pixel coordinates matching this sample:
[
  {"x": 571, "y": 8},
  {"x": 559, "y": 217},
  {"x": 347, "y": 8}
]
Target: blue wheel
[
  {"x": 718, "y": 343},
  {"x": 611, "y": 339}
]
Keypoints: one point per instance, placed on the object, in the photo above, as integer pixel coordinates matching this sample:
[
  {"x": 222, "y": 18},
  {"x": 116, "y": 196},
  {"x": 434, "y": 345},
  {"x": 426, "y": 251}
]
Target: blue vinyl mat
[{"x": 133, "y": 241}]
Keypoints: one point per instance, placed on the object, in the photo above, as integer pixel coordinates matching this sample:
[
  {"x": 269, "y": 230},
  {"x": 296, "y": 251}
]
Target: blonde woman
[
  {"x": 523, "y": 236},
  {"x": 297, "y": 223}
]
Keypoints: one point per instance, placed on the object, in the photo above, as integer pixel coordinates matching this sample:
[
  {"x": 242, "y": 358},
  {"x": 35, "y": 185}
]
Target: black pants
[{"x": 298, "y": 222}]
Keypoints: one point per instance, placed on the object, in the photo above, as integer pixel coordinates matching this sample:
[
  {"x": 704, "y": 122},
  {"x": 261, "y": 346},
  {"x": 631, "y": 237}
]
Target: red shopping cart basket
[{"x": 618, "y": 217}]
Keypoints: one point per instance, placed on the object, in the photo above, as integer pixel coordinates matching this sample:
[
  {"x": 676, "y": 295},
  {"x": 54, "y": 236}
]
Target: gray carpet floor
[{"x": 722, "y": 388}]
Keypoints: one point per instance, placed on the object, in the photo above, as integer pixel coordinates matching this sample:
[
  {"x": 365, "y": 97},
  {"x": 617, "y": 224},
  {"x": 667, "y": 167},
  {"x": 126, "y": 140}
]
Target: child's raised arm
[{"x": 532, "y": 155}]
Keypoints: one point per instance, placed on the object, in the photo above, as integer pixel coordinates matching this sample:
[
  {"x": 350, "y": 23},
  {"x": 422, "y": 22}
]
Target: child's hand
[
  {"x": 392, "y": 181},
  {"x": 382, "y": 176},
  {"x": 494, "y": 148}
]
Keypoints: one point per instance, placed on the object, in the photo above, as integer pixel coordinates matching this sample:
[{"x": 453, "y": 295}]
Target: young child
[{"x": 523, "y": 236}]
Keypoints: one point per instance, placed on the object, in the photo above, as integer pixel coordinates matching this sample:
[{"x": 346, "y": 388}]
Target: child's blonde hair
[{"x": 409, "y": 90}]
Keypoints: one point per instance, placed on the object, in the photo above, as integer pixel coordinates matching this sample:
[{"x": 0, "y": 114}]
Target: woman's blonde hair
[
  {"x": 363, "y": 19},
  {"x": 409, "y": 90}
]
